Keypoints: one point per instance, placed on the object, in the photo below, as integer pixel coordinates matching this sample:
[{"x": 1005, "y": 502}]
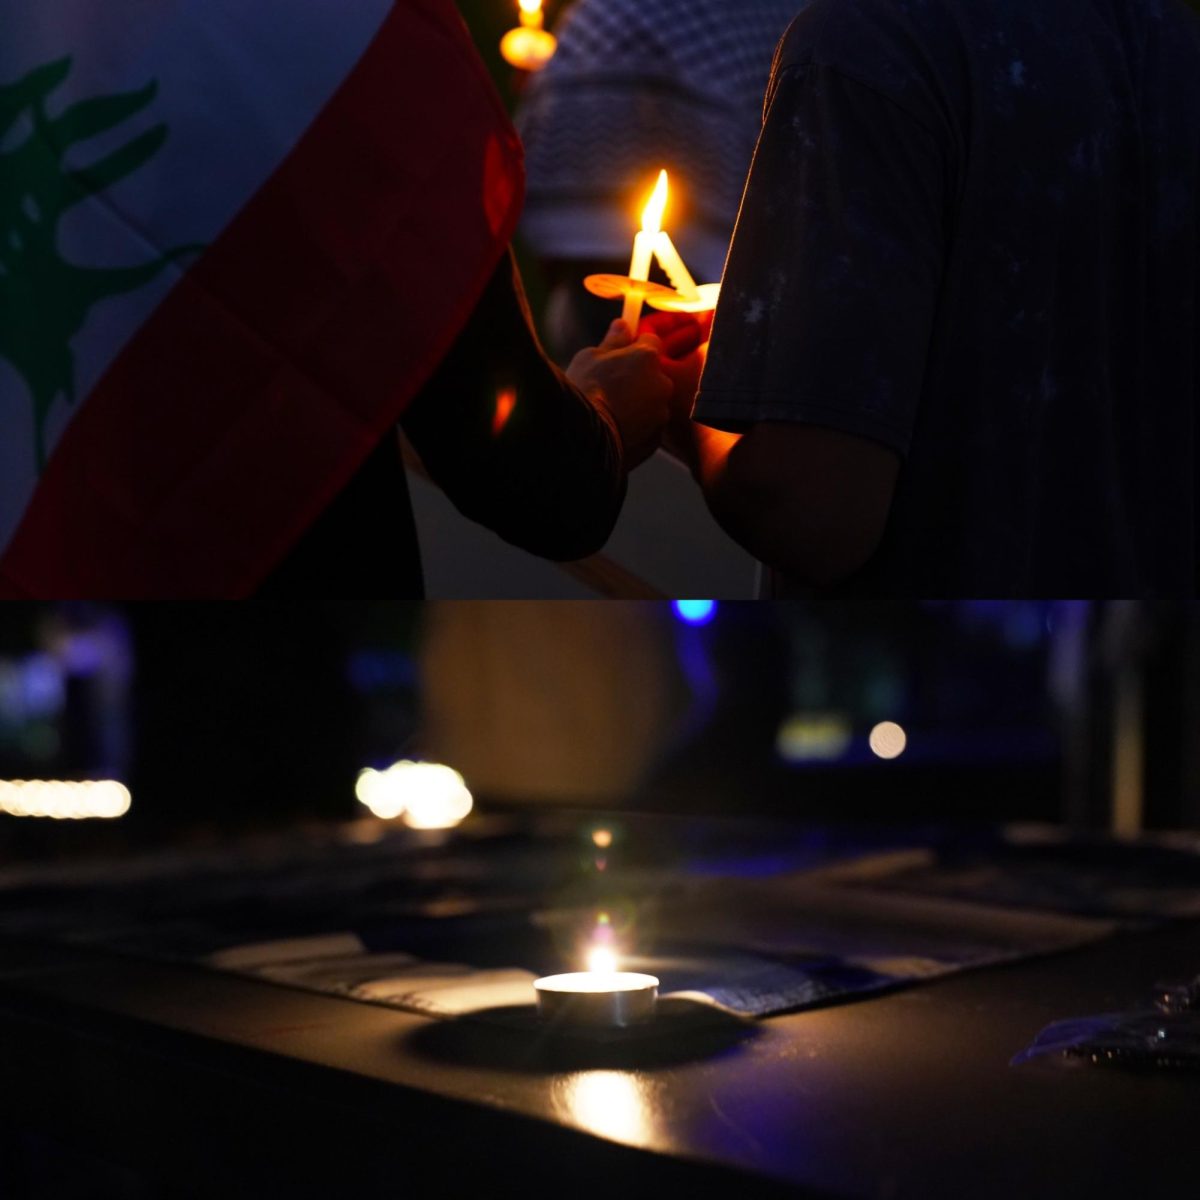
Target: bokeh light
[
  {"x": 426, "y": 795},
  {"x": 888, "y": 740},
  {"x": 63, "y": 799},
  {"x": 695, "y": 612},
  {"x": 506, "y": 402},
  {"x": 814, "y": 737}
]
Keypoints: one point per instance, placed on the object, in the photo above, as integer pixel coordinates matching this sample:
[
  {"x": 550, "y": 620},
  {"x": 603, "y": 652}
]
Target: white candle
[
  {"x": 603, "y": 995},
  {"x": 643, "y": 252},
  {"x": 672, "y": 263}
]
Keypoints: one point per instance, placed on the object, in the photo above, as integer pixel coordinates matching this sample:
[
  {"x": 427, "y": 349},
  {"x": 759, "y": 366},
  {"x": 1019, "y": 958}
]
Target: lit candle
[
  {"x": 529, "y": 47},
  {"x": 643, "y": 252},
  {"x": 600, "y": 997},
  {"x": 604, "y": 1000},
  {"x": 684, "y": 295}
]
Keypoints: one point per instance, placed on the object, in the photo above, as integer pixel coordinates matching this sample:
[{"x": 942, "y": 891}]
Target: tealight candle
[{"x": 599, "y": 999}]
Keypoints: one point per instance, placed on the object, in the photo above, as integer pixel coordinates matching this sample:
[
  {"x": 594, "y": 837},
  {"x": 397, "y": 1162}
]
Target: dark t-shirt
[{"x": 970, "y": 233}]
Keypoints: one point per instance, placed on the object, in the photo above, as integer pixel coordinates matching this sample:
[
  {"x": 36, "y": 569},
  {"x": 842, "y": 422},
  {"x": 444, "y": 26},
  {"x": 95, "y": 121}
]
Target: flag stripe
[{"x": 277, "y": 362}]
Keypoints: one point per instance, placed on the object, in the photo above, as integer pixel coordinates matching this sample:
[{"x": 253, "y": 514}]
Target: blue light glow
[{"x": 695, "y": 612}]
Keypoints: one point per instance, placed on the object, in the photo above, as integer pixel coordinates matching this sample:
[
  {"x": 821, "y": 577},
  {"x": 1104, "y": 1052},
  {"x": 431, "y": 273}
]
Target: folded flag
[{"x": 235, "y": 240}]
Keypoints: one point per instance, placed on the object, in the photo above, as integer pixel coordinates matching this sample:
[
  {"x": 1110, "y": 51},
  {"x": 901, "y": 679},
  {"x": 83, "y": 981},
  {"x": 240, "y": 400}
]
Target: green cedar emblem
[{"x": 45, "y": 300}]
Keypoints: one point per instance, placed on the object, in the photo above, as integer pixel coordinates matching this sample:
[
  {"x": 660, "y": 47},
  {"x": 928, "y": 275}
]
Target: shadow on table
[{"x": 515, "y": 1038}]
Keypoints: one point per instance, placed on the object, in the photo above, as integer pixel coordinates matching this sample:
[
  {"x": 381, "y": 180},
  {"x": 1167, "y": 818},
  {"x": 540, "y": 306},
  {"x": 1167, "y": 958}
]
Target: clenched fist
[
  {"x": 625, "y": 377},
  {"x": 684, "y": 340}
]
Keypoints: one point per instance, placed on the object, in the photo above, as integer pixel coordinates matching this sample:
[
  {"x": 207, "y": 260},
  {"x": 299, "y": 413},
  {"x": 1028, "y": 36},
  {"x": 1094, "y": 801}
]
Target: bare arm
[
  {"x": 519, "y": 447},
  {"x": 809, "y": 501}
]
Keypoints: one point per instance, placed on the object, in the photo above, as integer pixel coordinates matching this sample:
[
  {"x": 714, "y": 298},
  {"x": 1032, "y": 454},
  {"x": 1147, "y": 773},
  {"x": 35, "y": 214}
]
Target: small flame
[
  {"x": 506, "y": 401},
  {"x": 531, "y": 14},
  {"x": 652, "y": 217},
  {"x": 601, "y": 960}
]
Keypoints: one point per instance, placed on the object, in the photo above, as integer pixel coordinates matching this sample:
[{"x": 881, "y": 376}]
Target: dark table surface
[{"x": 210, "y": 1082}]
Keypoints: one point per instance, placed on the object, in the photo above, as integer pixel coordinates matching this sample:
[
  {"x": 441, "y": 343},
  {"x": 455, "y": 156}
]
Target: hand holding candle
[
  {"x": 626, "y": 378},
  {"x": 684, "y": 339}
]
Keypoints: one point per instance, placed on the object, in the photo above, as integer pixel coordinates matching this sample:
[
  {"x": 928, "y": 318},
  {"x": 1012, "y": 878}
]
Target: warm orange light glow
[
  {"x": 602, "y": 838},
  {"x": 652, "y": 214},
  {"x": 652, "y": 241},
  {"x": 529, "y": 47},
  {"x": 506, "y": 401}
]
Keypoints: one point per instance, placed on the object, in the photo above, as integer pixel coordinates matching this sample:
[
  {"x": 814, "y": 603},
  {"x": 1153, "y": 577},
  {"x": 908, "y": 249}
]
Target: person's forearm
[
  {"x": 513, "y": 443},
  {"x": 737, "y": 508},
  {"x": 794, "y": 528}
]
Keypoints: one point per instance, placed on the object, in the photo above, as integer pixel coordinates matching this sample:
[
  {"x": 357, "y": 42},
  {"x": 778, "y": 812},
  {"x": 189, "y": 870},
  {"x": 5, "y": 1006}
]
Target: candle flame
[
  {"x": 601, "y": 959},
  {"x": 652, "y": 217},
  {"x": 531, "y": 14},
  {"x": 506, "y": 401}
]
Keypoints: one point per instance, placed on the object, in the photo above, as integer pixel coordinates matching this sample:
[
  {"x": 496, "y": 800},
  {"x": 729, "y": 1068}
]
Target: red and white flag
[{"x": 235, "y": 239}]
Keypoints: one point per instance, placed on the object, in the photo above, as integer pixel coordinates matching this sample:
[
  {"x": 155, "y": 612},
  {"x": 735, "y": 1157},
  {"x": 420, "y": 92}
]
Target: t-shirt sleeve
[
  {"x": 511, "y": 441},
  {"x": 828, "y": 302}
]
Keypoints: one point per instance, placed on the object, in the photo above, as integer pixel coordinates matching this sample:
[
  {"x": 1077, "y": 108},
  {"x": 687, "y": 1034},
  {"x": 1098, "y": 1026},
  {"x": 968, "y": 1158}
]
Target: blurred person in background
[
  {"x": 550, "y": 701},
  {"x": 633, "y": 88}
]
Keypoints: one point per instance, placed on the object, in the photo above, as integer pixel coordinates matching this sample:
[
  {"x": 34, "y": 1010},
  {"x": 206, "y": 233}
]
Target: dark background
[{"x": 234, "y": 717}]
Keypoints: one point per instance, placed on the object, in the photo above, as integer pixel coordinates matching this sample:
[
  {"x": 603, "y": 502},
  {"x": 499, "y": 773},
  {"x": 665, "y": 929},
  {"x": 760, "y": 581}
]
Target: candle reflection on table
[{"x": 612, "y": 1104}]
